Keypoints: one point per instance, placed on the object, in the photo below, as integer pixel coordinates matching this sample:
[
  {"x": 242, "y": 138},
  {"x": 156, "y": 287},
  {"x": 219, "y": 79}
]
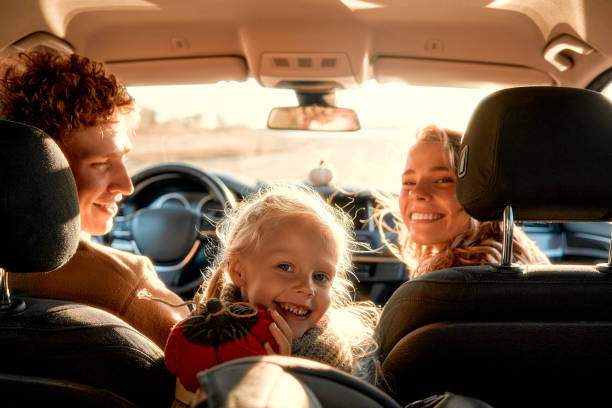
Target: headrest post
[
  {"x": 508, "y": 225},
  {"x": 610, "y": 249},
  {"x": 8, "y": 306},
  {"x": 5, "y": 294},
  {"x": 606, "y": 267}
]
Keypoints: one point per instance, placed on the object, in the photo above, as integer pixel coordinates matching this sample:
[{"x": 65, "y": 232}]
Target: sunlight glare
[{"x": 248, "y": 104}]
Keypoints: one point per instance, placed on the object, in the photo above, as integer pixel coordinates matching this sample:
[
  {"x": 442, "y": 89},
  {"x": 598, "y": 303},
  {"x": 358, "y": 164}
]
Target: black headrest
[
  {"x": 39, "y": 208},
  {"x": 546, "y": 151}
]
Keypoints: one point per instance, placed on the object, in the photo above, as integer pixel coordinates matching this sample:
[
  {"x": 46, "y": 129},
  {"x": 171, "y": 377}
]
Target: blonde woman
[{"x": 433, "y": 230}]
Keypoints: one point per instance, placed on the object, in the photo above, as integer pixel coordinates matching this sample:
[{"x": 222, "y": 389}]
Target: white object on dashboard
[{"x": 321, "y": 175}]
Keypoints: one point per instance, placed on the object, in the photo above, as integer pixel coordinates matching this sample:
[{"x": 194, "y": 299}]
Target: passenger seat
[{"x": 514, "y": 335}]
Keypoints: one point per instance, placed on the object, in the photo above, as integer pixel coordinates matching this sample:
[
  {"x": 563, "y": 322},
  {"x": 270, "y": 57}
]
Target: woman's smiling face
[
  {"x": 290, "y": 271},
  {"x": 428, "y": 200}
]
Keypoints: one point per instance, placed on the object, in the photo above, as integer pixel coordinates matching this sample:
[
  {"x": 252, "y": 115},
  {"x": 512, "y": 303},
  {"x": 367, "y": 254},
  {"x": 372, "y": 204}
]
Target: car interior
[{"x": 535, "y": 155}]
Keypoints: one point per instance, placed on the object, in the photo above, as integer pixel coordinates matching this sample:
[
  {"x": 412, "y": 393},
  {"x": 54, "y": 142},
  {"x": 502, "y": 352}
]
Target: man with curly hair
[{"x": 90, "y": 114}]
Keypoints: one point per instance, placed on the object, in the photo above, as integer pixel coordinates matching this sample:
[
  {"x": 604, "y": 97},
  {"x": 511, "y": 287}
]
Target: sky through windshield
[{"x": 248, "y": 104}]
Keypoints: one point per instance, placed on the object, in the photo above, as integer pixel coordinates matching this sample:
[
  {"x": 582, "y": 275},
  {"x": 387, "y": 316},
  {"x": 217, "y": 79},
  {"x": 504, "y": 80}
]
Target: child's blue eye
[
  {"x": 321, "y": 277},
  {"x": 286, "y": 267}
]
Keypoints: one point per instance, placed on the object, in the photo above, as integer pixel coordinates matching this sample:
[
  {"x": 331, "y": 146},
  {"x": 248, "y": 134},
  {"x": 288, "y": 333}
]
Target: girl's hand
[{"x": 282, "y": 334}]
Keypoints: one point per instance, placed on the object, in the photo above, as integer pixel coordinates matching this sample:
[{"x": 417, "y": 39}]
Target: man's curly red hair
[{"x": 60, "y": 93}]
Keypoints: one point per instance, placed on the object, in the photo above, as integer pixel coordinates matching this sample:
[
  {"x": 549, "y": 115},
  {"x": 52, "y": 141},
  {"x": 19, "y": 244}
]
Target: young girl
[
  {"x": 432, "y": 228},
  {"x": 287, "y": 251}
]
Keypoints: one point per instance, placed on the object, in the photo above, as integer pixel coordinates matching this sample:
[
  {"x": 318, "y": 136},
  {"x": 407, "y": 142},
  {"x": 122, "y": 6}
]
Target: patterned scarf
[{"x": 318, "y": 343}]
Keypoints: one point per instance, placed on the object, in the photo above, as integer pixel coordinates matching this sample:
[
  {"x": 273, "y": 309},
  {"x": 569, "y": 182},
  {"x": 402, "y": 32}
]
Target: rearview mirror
[{"x": 314, "y": 117}]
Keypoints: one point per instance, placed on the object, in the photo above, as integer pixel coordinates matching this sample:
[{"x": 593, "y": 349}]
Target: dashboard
[
  {"x": 172, "y": 214},
  {"x": 157, "y": 221}
]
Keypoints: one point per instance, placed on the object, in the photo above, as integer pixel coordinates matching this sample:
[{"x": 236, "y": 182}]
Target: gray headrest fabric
[
  {"x": 546, "y": 151},
  {"x": 258, "y": 385},
  {"x": 287, "y": 381},
  {"x": 39, "y": 209}
]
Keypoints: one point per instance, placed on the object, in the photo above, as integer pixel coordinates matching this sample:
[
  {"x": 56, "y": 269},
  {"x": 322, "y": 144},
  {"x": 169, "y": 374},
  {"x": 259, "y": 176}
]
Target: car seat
[
  {"x": 516, "y": 335},
  {"x": 58, "y": 352}
]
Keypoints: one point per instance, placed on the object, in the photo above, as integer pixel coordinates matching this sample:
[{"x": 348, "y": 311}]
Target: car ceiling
[{"x": 327, "y": 43}]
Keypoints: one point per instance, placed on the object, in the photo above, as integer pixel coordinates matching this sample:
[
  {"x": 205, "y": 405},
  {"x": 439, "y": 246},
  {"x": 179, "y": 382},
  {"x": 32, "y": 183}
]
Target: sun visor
[
  {"x": 431, "y": 72},
  {"x": 543, "y": 150},
  {"x": 193, "y": 70}
]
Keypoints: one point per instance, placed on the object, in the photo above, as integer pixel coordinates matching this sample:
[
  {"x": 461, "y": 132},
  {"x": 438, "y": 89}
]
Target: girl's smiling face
[
  {"x": 428, "y": 200},
  {"x": 291, "y": 271}
]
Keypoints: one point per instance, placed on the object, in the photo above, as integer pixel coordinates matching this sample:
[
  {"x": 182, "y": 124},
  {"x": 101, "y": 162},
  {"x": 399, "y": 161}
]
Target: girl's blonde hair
[
  {"x": 480, "y": 244},
  {"x": 242, "y": 230}
]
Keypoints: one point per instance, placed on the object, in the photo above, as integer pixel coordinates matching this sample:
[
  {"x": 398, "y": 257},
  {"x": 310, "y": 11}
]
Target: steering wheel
[{"x": 179, "y": 238}]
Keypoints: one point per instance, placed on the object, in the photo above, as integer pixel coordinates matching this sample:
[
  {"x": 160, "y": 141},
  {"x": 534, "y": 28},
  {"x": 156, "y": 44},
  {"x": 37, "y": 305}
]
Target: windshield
[{"x": 222, "y": 127}]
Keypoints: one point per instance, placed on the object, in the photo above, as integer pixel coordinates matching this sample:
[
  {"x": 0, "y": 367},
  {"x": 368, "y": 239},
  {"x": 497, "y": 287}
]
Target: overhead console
[{"x": 313, "y": 70}]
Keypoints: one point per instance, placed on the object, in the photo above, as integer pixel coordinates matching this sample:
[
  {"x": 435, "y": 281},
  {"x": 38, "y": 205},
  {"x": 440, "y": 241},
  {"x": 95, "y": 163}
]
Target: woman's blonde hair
[
  {"x": 480, "y": 244},
  {"x": 242, "y": 230}
]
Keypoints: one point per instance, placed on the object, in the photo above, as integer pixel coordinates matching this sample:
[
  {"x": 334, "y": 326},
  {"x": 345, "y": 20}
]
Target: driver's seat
[{"x": 53, "y": 351}]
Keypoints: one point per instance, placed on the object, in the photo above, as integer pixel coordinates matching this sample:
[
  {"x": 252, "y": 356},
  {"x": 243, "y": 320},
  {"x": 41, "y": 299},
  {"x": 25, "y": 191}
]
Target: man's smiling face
[{"x": 97, "y": 158}]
